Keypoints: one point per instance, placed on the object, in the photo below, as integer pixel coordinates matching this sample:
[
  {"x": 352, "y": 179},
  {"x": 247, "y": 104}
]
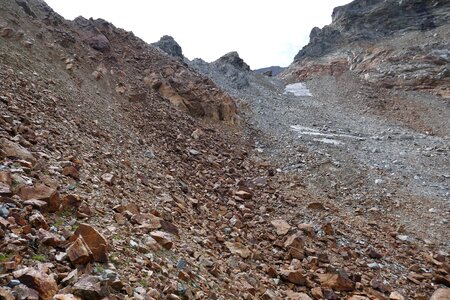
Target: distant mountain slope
[
  {"x": 274, "y": 69},
  {"x": 388, "y": 42}
]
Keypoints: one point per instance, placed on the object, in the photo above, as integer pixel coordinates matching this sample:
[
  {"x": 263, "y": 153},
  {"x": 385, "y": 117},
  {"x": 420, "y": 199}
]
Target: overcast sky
[{"x": 264, "y": 32}]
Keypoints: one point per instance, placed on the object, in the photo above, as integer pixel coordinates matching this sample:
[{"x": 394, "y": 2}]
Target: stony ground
[{"x": 109, "y": 191}]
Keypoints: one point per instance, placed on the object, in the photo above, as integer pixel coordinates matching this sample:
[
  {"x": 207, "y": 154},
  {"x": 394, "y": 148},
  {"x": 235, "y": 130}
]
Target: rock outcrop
[
  {"x": 169, "y": 46},
  {"x": 230, "y": 69},
  {"x": 391, "y": 43}
]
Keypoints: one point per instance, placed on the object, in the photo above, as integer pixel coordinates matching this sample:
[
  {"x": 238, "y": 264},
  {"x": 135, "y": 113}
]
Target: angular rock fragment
[
  {"x": 44, "y": 193},
  {"x": 281, "y": 226},
  {"x": 45, "y": 285},
  {"x": 13, "y": 150},
  {"x": 88, "y": 287},
  {"x": 238, "y": 248},
  {"x": 79, "y": 252},
  {"x": 336, "y": 282},
  {"x": 163, "y": 238},
  {"x": 294, "y": 276},
  {"x": 441, "y": 294},
  {"x": 95, "y": 241}
]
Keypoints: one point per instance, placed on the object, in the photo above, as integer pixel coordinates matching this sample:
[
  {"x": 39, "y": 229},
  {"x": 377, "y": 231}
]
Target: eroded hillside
[{"x": 125, "y": 174}]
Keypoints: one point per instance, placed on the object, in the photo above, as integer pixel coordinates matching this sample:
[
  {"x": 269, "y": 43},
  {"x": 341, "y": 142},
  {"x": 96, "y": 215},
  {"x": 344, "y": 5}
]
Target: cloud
[{"x": 264, "y": 32}]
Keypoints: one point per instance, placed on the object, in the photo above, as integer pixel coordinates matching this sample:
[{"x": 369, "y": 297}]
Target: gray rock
[{"x": 169, "y": 46}]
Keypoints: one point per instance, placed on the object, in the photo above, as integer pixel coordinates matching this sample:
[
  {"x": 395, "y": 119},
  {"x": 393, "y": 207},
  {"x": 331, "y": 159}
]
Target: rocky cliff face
[
  {"x": 390, "y": 43},
  {"x": 228, "y": 70},
  {"x": 169, "y": 46}
]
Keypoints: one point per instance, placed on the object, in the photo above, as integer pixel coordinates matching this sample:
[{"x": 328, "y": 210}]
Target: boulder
[
  {"x": 34, "y": 279},
  {"x": 441, "y": 294},
  {"x": 95, "y": 241},
  {"x": 238, "y": 248},
  {"x": 294, "y": 276},
  {"x": 163, "y": 238},
  {"x": 99, "y": 42},
  {"x": 88, "y": 287},
  {"x": 338, "y": 282},
  {"x": 42, "y": 192},
  {"x": 79, "y": 252},
  {"x": 281, "y": 226},
  {"x": 14, "y": 150}
]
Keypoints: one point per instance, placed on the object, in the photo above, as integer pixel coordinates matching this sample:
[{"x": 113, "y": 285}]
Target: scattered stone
[
  {"x": 45, "y": 285},
  {"x": 337, "y": 282},
  {"x": 38, "y": 204},
  {"x": 244, "y": 195},
  {"x": 441, "y": 294},
  {"x": 294, "y": 276},
  {"x": 79, "y": 252},
  {"x": 65, "y": 297},
  {"x": 163, "y": 238},
  {"x": 374, "y": 254},
  {"x": 281, "y": 226},
  {"x": 88, "y": 287},
  {"x": 238, "y": 248},
  {"x": 95, "y": 241},
  {"x": 396, "y": 296},
  {"x": 44, "y": 193},
  {"x": 13, "y": 150},
  {"x": 71, "y": 171},
  {"x": 108, "y": 178}
]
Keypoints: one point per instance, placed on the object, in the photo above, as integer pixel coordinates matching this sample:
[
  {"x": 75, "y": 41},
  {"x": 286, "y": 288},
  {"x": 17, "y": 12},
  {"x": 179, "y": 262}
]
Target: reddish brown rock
[
  {"x": 44, "y": 193},
  {"x": 71, "y": 202},
  {"x": 88, "y": 287},
  {"x": 317, "y": 293},
  {"x": 13, "y": 150},
  {"x": 396, "y": 296},
  {"x": 238, "y": 248},
  {"x": 66, "y": 297},
  {"x": 6, "y": 294},
  {"x": 5, "y": 189},
  {"x": 441, "y": 294},
  {"x": 294, "y": 276},
  {"x": 169, "y": 227},
  {"x": 244, "y": 195},
  {"x": 336, "y": 282},
  {"x": 45, "y": 285},
  {"x": 37, "y": 220},
  {"x": 38, "y": 204},
  {"x": 281, "y": 226},
  {"x": 49, "y": 239},
  {"x": 295, "y": 244},
  {"x": 95, "y": 241},
  {"x": 163, "y": 238},
  {"x": 71, "y": 171},
  {"x": 79, "y": 253}
]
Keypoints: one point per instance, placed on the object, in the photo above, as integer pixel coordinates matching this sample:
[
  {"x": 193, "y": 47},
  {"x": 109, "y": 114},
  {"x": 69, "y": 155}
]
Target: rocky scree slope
[
  {"x": 392, "y": 43},
  {"x": 109, "y": 190}
]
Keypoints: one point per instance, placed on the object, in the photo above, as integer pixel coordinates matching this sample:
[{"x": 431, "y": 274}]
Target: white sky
[{"x": 264, "y": 32}]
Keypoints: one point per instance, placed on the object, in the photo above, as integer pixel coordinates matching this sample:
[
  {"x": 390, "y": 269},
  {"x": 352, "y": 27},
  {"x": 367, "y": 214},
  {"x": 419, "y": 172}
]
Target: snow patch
[{"x": 298, "y": 89}]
